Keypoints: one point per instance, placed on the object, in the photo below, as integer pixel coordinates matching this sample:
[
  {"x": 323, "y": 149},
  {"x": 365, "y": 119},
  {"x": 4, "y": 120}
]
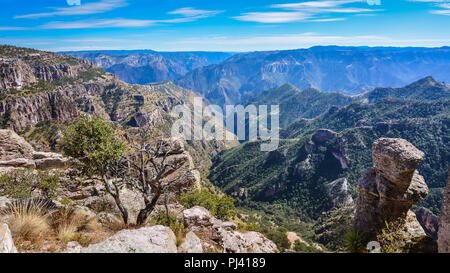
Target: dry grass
[
  {"x": 28, "y": 221},
  {"x": 66, "y": 233},
  {"x": 70, "y": 223}
]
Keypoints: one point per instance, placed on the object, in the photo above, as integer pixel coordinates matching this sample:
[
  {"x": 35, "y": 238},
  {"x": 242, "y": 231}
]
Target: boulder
[
  {"x": 52, "y": 163},
  {"x": 156, "y": 239},
  {"x": 444, "y": 221},
  {"x": 18, "y": 163},
  {"x": 197, "y": 217},
  {"x": 191, "y": 244},
  {"x": 217, "y": 235},
  {"x": 44, "y": 155},
  {"x": 6, "y": 240},
  {"x": 388, "y": 191},
  {"x": 12, "y": 146},
  {"x": 396, "y": 159}
]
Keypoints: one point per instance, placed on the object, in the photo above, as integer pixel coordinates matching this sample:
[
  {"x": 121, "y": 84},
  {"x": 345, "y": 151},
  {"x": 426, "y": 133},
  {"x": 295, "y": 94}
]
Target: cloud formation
[
  {"x": 77, "y": 9},
  {"x": 312, "y": 11}
]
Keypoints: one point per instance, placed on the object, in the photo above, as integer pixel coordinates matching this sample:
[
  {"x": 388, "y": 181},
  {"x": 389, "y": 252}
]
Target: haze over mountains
[
  {"x": 223, "y": 78},
  {"x": 148, "y": 66}
]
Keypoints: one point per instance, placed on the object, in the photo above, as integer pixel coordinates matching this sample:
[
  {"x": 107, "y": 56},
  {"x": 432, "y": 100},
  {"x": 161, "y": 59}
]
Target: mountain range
[{"x": 148, "y": 66}]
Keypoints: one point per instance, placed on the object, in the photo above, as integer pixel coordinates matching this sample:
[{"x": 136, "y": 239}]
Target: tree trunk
[
  {"x": 144, "y": 213},
  {"x": 117, "y": 200}
]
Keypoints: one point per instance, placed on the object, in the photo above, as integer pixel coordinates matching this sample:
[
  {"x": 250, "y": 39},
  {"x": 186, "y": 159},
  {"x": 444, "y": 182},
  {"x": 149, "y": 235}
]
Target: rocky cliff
[
  {"x": 389, "y": 190},
  {"x": 444, "y": 221}
]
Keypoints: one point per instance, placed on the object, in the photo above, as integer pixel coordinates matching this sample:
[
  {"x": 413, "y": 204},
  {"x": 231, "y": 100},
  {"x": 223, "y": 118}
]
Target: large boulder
[
  {"x": 396, "y": 159},
  {"x": 388, "y": 191},
  {"x": 13, "y": 146},
  {"x": 191, "y": 244},
  {"x": 444, "y": 221},
  {"x": 217, "y": 235},
  {"x": 6, "y": 240},
  {"x": 156, "y": 239},
  {"x": 197, "y": 217}
]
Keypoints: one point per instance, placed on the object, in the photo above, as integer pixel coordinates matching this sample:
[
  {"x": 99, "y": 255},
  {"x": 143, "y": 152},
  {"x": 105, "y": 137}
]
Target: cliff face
[
  {"x": 39, "y": 86},
  {"x": 388, "y": 191},
  {"x": 444, "y": 221}
]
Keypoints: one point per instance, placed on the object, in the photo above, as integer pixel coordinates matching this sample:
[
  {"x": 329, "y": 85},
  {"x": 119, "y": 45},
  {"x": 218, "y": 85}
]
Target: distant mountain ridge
[
  {"x": 148, "y": 66},
  {"x": 310, "y": 103},
  {"x": 351, "y": 70}
]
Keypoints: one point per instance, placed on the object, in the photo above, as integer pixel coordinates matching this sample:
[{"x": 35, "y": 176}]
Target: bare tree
[{"x": 148, "y": 167}]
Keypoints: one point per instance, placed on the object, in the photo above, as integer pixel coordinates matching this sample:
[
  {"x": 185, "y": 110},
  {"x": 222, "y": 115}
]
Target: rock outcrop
[
  {"x": 156, "y": 239},
  {"x": 389, "y": 190},
  {"x": 219, "y": 236},
  {"x": 444, "y": 221},
  {"x": 6, "y": 241},
  {"x": 429, "y": 222},
  {"x": 16, "y": 152}
]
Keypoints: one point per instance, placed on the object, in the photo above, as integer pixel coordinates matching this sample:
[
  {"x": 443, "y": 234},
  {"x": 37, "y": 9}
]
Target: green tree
[{"x": 92, "y": 142}]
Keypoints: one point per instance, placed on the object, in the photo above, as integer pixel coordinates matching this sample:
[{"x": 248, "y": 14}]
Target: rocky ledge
[
  {"x": 16, "y": 152},
  {"x": 388, "y": 191},
  {"x": 205, "y": 234}
]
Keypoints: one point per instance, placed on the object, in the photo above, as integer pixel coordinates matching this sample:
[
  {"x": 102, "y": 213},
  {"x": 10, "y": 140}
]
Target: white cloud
[
  {"x": 273, "y": 17},
  {"x": 12, "y": 28},
  {"x": 313, "y": 11},
  {"x": 292, "y": 41},
  {"x": 191, "y": 12},
  {"x": 85, "y": 9},
  {"x": 73, "y": 2},
  {"x": 101, "y": 23}
]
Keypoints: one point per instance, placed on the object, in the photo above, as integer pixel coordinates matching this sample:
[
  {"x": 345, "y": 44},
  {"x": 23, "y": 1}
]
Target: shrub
[
  {"x": 28, "y": 220},
  {"x": 221, "y": 207},
  {"x": 22, "y": 183},
  {"x": 170, "y": 220},
  {"x": 279, "y": 237},
  {"x": 355, "y": 242},
  {"x": 392, "y": 238}
]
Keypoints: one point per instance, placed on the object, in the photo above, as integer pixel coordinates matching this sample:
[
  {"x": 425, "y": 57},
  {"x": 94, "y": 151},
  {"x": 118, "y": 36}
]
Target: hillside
[
  {"x": 42, "y": 92},
  {"x": 295, "y": 103},
  {"x": 315, "y": 170},
  {"x": 147, "y": 66},
  {"x": 352, "y": 70}
]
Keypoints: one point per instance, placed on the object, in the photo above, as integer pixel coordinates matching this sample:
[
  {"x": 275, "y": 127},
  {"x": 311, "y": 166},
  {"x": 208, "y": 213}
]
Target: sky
[{"x": 231, "y": 25}]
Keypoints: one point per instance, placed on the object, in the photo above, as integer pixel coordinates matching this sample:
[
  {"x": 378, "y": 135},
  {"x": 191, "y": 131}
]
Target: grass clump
[
  {"x": 221, "y": 207},
  {"x": 28, "y": 221}
]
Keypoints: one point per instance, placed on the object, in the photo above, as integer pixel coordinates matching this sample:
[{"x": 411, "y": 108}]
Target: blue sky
[{"x": 231, "y": 25}]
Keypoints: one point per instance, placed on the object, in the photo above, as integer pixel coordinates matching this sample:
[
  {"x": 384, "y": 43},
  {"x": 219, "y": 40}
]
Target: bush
[
  {"x": 356, "y": 242},
  {"x": 279, "y": 237},
  {"x": 93, "y": 143},
  {"x": 170, "y": 220},
  {"x": 221, "y": 207},
  {"x": 300, "y": 247},
  {"x": 23, "y": 183}
]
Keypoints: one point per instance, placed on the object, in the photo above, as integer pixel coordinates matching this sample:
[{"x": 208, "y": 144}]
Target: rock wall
[
  {"x": 389, "y": 189},
  {"x": 16, "y": 152},
  {"x": 444, "y": 221}
]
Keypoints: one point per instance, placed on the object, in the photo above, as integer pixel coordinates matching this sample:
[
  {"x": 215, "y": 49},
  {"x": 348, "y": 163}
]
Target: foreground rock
[
  {"x": 444, "y": 221},
  {"x": 16, "y": 152},
  {"x": 389, "y": 190},
  {"x": 219, "y": 236},
  {"x": 157, "y": 239},
  {"x": 6, "y": 241}
]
